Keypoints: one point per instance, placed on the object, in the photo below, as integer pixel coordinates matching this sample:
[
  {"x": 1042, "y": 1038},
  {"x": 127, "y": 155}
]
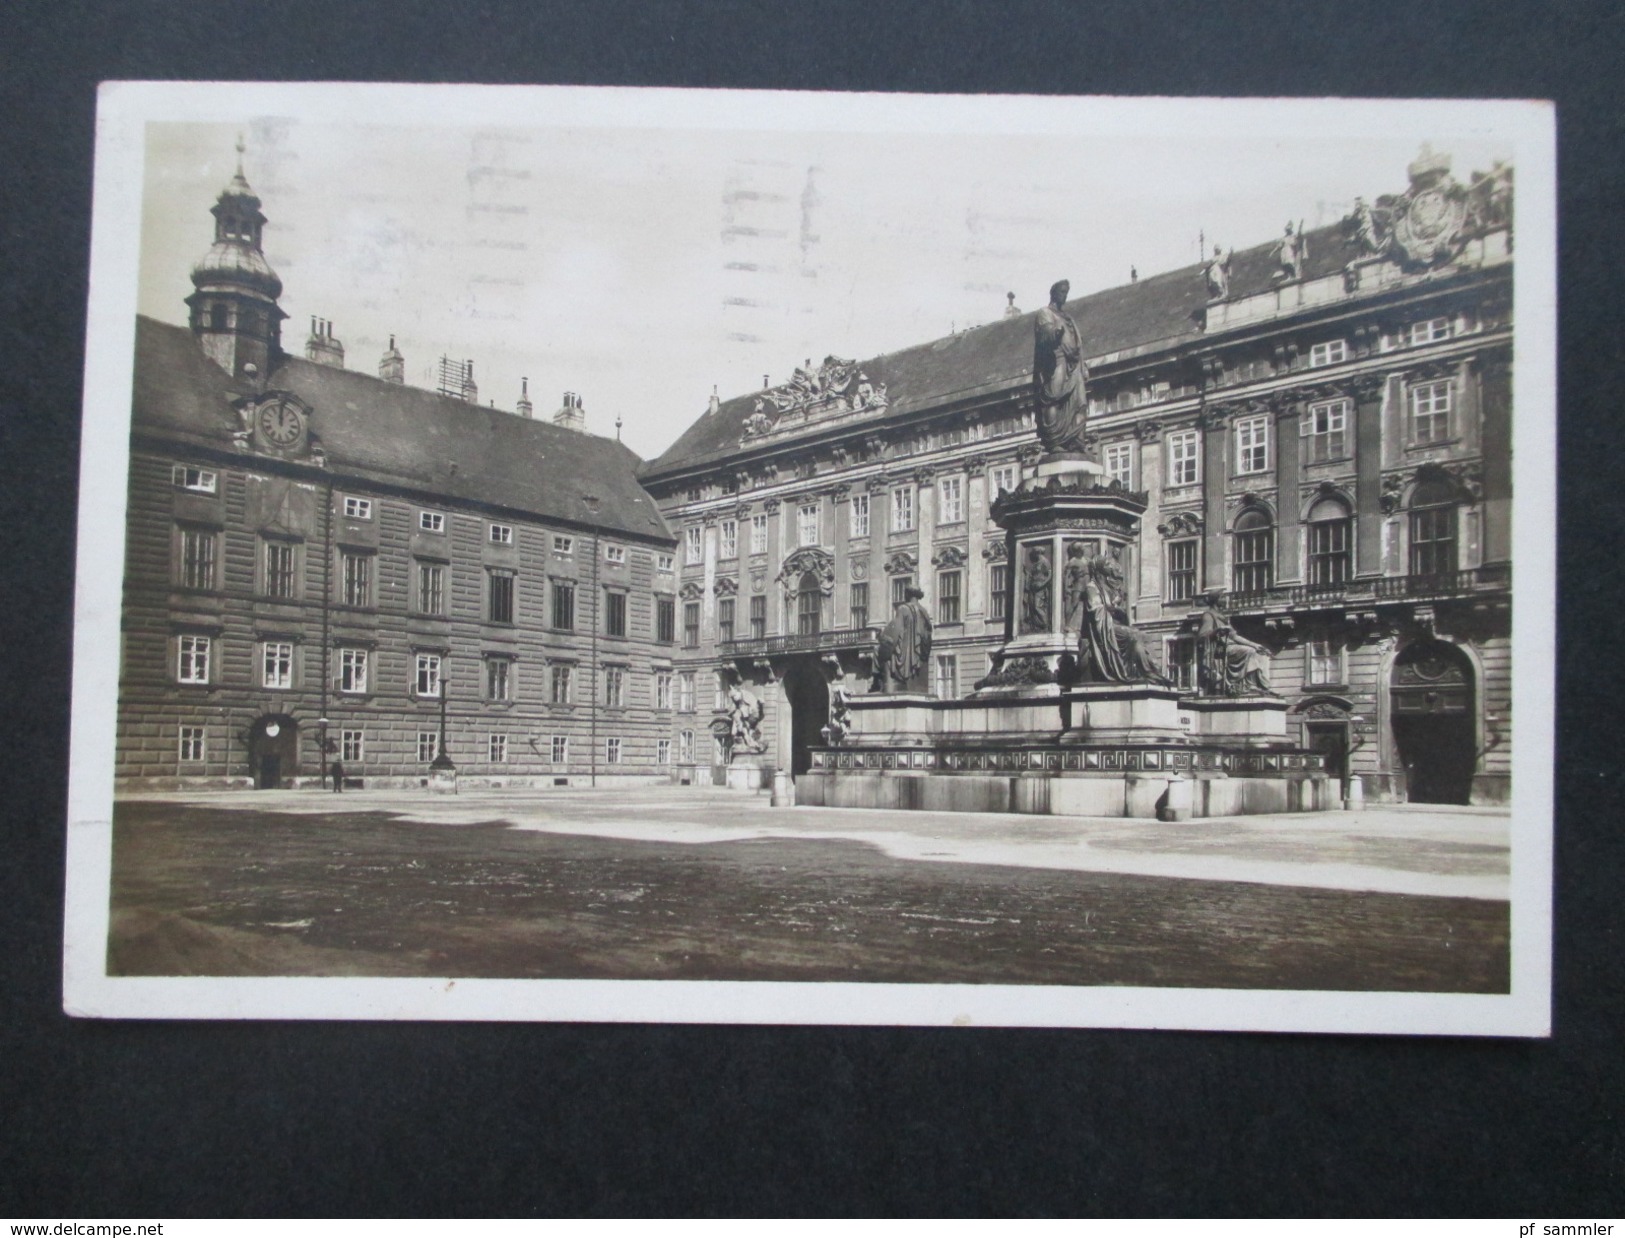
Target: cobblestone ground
[{"x": 612, "y": 885}]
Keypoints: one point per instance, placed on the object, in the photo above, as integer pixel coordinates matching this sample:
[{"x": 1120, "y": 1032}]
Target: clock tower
[{"x": 234, "y": 311}]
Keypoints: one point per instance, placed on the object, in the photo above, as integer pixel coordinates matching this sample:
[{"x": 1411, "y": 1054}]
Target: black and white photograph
[{"x": 716, "y": 556}]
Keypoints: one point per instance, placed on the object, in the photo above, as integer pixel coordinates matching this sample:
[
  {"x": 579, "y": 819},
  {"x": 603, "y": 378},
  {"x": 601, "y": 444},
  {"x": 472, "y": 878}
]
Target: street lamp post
[
  {"x": 442, "y": 770},
  {"x": 321, "y": 742}
]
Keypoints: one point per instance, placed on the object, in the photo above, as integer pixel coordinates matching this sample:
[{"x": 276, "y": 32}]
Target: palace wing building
[
  {"x": 1321, "y": 426},
  {"x": 324, "y": 564}
]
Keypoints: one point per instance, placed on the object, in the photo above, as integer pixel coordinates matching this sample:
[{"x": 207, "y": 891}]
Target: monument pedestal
[{"x": 750, "y": 773}]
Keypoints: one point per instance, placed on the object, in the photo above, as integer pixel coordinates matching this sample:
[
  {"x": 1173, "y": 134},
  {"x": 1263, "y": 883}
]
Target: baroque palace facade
[
  {"x": 324, "y": 564},
  {"x": 1321, "y": 427}
]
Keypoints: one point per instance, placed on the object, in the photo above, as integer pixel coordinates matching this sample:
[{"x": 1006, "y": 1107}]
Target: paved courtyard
[{"x": 709, "y": 884}]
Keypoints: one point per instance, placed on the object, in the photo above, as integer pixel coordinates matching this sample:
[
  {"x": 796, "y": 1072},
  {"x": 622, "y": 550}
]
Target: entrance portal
[
  {"x": 273, "y": 751},
  {"x": 808, "y": 693},
  {"x": 1432, "y": 694}
]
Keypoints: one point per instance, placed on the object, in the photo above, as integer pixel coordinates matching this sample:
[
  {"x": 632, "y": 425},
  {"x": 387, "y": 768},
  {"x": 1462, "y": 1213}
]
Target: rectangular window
[
  {"x": 561, "y": 749},
  {"x": 662, "y": 689},
  {"x": 902, "y": 509},
  {"x": 559, "y": 677},
  {"x": 614, "y": 612},
  {"x": 694, "y": 545},
  {"x": 352, "y": 670},
  {"x": 615, "y": 686},
  {"x": 758, "y": 534},
  {"x": 1430, "y": 412},
  {"x": 665, "y": 620},
  {"x": 431, "y": 588},
  {"x": 502, "y": 534},
  {"x": 428, "y": 746},
  {"x": 276, "y": 664},
  {"x": 1323, "y": 662},
  {"x": 998, "y": 590},
  {"x": 427, "y": 682},
  {"x": 1329, "y": 551},
  {"x": 729, "y": 540},
  {"x": 499, "y": 596},
  {"x": 691, "y": 625},
  {"x": 860, "y": 515},
  {"x": 498, "y": 679},
  {"x": 1180, "y": 659},
  {"x": 1433, "y": 541},
  {"x": 948, "y": 591},
  {"x": 725, "y": 619},
  {"x": 665, "y": 563},
  {"x": 357, "y": 509},
  {"x": 192, "y": 743},
  {"x": 758, "y": 617},
  {"x": 807, "y": 525},
  {"x": 859, "y": 597},
  {"x": 612, "y": 751},
  {"x": 1252, "y": 444},
  {"x": 1002, "y": 477},
  {"x": 200, "y": 481},
  {"x": 1325, "y": 431},
  {"x": 564, "y": 605},
  {"x": 614, "y": 553},
  {"x": 432, "y": 522},
  {"x": 900, "y": 585},
  {"x": 1430, "y": 331},
  {"x": 197, "y": 558},
  {"x": 1327, "y": 352},
  {"x": 351, "y": 748},
  {"x": 719, "y": 692},
  {"x": 685, "y": 747},
  {"x": 662, "y": 752},
  {"x": 685, "y": 692},
  {"x": 355, "y": 578},
  {"x": 809, "y": 612},
  {"x": 1120, "y": 464},
  {"x": 1182, "y": 571},
  {"x": 1184, "y": 458},
  {"x": 192, "y": 661},
  {"x": 279, "y": 576},
  {"x": 1251, "y": 571},
  {"x": 947, "y": 675},
  {"x": 950, "y": 500},
  {"x": 563, "y": 545},
  {"x": 496, "y": 749}
]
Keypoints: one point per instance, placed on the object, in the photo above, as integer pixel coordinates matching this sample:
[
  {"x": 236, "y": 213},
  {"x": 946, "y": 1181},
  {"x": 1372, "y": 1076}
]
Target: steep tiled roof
[
  {"x": 1161, "y": 309},
  {"x": 402, "y": 436}
]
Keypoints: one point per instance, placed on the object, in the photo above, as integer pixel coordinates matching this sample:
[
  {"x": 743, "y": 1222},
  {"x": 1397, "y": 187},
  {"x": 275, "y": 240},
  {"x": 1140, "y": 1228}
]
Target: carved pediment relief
[
  {"x": 950, "y": 556},
  {"x": 836, "y": 386},
  {"x": 1181, "y": 524},
  {"x": 692, "y": 591},
  {"x": 813, "y": 559},
  {"x": 901, "y": 564},
  {"x": 726, "y": 587}
]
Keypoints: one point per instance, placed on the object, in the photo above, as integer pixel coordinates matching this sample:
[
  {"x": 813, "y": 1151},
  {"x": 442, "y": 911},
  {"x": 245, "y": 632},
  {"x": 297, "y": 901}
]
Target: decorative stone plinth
[
  {"x": 1257, "y": 719},
  {"x": 443, "y": 779},
  {"x": 750, "y": 773}
]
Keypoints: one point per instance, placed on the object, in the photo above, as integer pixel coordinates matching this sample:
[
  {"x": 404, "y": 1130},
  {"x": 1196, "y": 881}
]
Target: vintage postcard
[{"x": 614, "y": 554}]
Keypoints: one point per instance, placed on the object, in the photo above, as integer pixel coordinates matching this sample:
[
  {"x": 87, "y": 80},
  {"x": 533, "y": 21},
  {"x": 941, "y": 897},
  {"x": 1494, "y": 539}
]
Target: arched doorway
[
  {"x": 807, "y": 691},
  {"x": 1432, "y": 695},
  {"x": 273, "y": 751}
]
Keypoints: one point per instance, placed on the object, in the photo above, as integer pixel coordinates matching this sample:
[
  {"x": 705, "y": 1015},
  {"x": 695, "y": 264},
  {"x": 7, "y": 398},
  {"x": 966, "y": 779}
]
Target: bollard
[
  {"x": 784, "y": 790},
  {"x": 1179, "y": 799},
  {"x": 1354, "y": 797}
]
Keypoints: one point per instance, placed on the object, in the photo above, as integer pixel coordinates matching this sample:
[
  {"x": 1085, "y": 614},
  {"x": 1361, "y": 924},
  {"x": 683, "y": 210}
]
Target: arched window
[
  {"x": 1254, "y": 552},
  {"x": 1331, "y": 542},
  {"x": 809, "y": 604},
  {"x": 1433, "y": 528}
]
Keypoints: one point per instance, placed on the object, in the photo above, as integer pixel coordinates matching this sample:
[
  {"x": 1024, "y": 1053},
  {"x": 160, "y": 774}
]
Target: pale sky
[{"x": 640, "y": 265}]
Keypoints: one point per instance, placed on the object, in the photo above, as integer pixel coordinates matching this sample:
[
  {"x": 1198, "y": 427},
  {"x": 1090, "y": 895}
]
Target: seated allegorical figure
[{"x": 1228, "y": 663}]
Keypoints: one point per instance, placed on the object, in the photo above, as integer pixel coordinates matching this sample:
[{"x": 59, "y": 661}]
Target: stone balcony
[
  {"x": 833, "y": 640},
  {"x": 1437, "y": 587}
]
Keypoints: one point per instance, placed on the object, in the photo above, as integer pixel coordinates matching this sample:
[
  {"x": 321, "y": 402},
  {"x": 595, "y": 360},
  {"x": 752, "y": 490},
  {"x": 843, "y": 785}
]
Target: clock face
[{"x": 282, "y": 424}]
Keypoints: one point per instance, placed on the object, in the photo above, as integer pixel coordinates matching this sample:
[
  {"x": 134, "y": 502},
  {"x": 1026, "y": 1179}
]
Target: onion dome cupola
[{"x": 235, "y": 315}]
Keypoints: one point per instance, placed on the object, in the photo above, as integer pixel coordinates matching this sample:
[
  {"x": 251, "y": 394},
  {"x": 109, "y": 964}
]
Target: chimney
[
  {"x": 321, "y": 347},
  {"x": 471, "y": 393},
  {"x": 392, "y": 366},
  {"x": 715, "y": 403},
  {"x": 1010, "y": 310},
  {"x": 571, "y": 415},
  {"x": 525, "y": 408}
]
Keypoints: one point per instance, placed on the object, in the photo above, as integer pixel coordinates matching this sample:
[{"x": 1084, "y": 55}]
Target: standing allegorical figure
[
  {"x": 1059, "y": 375},
  {"x": 1038, "y": 591},
  {"x": 904, "y": 655}
]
